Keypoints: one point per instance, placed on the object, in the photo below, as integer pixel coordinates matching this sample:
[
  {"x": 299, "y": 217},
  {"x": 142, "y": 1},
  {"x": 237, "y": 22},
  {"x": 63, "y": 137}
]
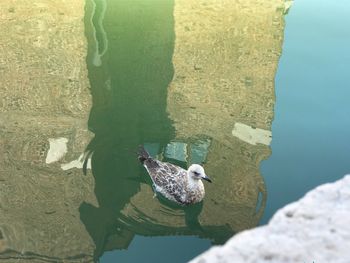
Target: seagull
[{"x": 173, "y": 182}]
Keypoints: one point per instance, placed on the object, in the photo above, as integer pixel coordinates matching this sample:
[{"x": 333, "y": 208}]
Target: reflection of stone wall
[
  {"x": 233, "y": 197},
  {"x": 225, "y": 58},
  {"x": 43, "y": 94}
]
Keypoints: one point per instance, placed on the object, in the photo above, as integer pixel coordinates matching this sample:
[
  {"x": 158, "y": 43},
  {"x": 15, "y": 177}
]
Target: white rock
[{"x": 315, "y": 229}]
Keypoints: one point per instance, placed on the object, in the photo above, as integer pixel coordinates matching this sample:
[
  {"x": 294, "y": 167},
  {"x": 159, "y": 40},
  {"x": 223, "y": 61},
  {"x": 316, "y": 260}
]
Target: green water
[{"x": 131, "y": 46}]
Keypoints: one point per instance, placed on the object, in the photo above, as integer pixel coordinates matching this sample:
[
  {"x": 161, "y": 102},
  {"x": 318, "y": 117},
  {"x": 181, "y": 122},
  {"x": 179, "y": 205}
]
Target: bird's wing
[{"x": 169, "y": 177}]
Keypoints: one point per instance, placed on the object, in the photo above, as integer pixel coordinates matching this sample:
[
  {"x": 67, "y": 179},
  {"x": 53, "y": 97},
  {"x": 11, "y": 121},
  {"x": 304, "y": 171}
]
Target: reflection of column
[
  {"x": 225, "y": 58},
  {"x": 44, "y": 104}
]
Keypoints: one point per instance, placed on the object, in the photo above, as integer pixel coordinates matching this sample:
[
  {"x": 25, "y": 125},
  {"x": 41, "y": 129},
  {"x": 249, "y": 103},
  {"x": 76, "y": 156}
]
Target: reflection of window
[
  {"x": 177, "y": 151},
  {"x": 188, "y": 153}
]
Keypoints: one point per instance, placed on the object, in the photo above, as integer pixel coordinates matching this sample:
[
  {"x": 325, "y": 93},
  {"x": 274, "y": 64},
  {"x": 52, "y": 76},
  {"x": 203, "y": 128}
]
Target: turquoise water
[
  {"x": 131, "y": 45},
  {"x": 311, "y": 128},
  {"x": 156, "y": 249}
]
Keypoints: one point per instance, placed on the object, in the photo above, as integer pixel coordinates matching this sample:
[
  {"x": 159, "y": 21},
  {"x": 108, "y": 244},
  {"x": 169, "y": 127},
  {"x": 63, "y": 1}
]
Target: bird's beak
[{"x": 206, "y": 178}]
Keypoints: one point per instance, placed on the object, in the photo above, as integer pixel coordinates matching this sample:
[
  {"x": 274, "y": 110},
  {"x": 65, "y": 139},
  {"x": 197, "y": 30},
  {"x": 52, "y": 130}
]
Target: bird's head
[{"x": 196, "y": 172}]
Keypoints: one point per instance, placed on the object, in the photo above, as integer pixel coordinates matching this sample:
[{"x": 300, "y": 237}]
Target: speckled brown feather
[{"x": 171, "y": 180}]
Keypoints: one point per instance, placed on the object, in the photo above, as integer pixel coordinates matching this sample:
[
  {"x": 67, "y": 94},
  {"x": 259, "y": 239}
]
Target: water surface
[
  {"x": 310, "y": 131},
  {"x": 194, "y": 82},
  {"x": 157, "y": 80}
]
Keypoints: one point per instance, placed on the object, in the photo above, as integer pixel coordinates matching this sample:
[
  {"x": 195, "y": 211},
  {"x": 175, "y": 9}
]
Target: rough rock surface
[{"x": 314, "y": 229}]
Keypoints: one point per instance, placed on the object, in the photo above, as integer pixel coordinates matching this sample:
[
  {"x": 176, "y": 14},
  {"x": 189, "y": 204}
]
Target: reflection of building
[
  {"x": 225, "y": 58},
  {"x": 221, "y": 101},
  {"x": 43, "y": 96}
]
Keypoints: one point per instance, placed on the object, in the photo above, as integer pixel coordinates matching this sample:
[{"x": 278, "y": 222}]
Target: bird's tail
[{"x": 143, "y": 154}]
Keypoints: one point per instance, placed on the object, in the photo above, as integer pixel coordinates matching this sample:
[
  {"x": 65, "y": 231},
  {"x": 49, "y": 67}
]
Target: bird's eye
[{"x": 196, "y": 173}]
